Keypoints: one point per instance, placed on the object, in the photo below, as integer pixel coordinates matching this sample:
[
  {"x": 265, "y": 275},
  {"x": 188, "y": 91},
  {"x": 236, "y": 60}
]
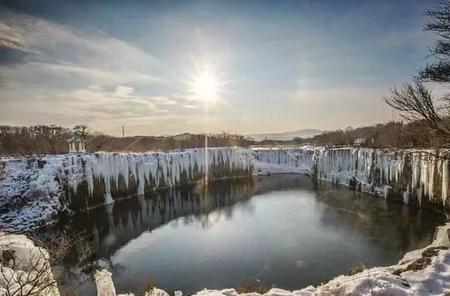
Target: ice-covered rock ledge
[
  {"x": 420, "y": 272},
  {"x": 35, "y": 190},
  {"x": 418, "y": 176},
  {"x": 31, "y": 192}
]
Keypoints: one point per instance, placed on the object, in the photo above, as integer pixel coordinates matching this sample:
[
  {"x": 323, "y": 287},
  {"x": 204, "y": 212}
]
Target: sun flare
[{"x": 205, "y": 86}]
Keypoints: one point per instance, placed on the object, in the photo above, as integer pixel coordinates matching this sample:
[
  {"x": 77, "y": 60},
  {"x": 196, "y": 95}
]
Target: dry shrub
[
  {"x": 356, "y": 269},
  {"x": 147, "y": 285},
  {"x": 250, "y": 286}
]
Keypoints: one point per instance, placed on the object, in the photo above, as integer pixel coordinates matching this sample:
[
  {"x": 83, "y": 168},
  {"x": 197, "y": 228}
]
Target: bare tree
[
  {"x": 413, "y": 100},
  {"x": 54, "y": 134},
  {"x": 415, "y": 103},
  {"x": 439, "y": 69}
]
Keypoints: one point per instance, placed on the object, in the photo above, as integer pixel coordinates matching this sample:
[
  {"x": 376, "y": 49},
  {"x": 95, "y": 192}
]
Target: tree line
[
  {"x": 394, "y": 134},
  {"x": 38, "y": 139},
  {"x": 43, "y": 139},
  {"x": 52, "y": 139}
]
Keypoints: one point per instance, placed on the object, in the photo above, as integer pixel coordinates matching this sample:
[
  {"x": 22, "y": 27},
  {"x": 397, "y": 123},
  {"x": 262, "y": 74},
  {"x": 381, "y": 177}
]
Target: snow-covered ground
[
  {"x": 30, "y": 193},
  {"x": 34, "y": 190}
]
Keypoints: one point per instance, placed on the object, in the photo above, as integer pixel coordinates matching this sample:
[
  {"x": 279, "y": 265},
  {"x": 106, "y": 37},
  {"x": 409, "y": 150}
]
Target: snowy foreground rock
[
  {"x": 35, "y": 190},
  {"x": 24, "y": 268},
  {"x": 420, "y": 272}
]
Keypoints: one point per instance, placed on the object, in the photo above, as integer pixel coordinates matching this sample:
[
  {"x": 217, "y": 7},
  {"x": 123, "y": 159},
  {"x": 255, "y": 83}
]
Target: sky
[{"x": 168, "y": 67}]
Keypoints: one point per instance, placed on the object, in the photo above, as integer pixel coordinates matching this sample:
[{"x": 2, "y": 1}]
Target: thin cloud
[
  {"x": 72, "y": 75},
  {"x": 51, "y": 48}
]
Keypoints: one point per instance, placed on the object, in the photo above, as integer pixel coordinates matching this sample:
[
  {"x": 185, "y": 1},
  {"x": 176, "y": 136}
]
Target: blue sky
[{"x": 281, "y": 65}]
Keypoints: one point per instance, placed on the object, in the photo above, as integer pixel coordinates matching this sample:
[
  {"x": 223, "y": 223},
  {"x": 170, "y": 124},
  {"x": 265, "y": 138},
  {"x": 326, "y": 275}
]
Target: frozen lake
[{"x": 283, "y": 230}]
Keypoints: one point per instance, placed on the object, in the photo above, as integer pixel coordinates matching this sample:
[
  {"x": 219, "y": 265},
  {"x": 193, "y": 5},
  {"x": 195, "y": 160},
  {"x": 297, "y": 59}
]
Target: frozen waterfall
[{"x": 41, "y": 187}]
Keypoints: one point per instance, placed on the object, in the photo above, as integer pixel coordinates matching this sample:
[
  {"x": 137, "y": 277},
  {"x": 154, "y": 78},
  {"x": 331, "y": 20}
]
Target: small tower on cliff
[
  {"x": 77, "y": 140},
  {"x": 76, "y": 144}
]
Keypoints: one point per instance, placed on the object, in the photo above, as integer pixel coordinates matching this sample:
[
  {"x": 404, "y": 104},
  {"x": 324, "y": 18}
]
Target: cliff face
[
  {"x": 33, "y": 191},
  {"x": 108, "y": 176},
  {"x": 415, "y": 176}
]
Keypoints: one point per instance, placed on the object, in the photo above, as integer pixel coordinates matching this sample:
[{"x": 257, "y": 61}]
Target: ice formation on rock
[
  {"x": 369, "y": 170},
  {"x": 156, "y": 169},
  {"x": 31, "y": 194},
  {"x": 34, "y": 190},
  {"x": 104, "y": 283}
]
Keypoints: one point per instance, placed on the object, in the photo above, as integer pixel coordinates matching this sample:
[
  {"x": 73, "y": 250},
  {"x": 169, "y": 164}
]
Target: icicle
[
  {"x": 406, "y": 195},
  {"x": 444, "y": 181},
  {"x": 386, "y": 190},
  {"x": 108, "y": 198}
]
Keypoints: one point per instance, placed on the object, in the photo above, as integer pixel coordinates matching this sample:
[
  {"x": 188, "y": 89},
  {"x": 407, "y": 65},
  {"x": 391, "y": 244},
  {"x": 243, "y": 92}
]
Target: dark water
[{"x": 282, "y": 230}]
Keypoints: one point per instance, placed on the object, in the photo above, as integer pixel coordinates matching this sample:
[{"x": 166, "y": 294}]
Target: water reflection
[
  {"x": 383, "y": 223},
  {"x": 116, "y": 224},
  {"x": 284, "y": 230}
]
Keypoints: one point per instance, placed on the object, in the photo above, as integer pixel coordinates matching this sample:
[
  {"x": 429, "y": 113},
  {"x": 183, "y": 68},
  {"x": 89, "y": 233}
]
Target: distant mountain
[{"x": 285, "y": 136}]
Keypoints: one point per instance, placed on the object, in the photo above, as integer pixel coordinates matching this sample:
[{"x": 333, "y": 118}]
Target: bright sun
[{"x": 205, "y": 86}]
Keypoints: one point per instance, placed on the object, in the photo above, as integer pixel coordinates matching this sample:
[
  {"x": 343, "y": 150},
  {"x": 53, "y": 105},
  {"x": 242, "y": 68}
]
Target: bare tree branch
[{"x": 415, "y": 103}]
